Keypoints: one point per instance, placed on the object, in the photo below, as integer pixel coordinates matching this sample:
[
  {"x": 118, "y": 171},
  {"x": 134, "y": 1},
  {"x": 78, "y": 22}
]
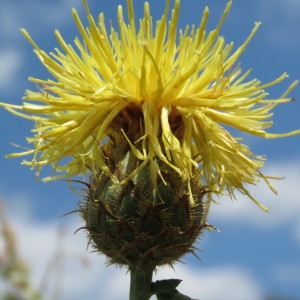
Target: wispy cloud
[
  {"x": 61, "y": 264},
  {"x": 61, "y": 267},
  {"x": 34, "y": 15},
  {"x": 11, "y": 63},
  {"x": 297, "y": 232},
  {"x": 224, "y": 282},
  {"x": 282, "y": 8},
  {"x": 283, "y": 21},
  {"x": 287, "y": 273},
  {"x": 284, "y": 207}
]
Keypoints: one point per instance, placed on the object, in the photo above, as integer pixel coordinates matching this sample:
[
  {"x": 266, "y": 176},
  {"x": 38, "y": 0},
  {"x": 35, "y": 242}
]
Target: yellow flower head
[{"x": 169, "y": 91}]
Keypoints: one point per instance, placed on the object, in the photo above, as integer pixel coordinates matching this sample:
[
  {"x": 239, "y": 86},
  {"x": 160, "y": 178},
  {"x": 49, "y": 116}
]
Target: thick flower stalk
[{"x": 144, "y": 112}]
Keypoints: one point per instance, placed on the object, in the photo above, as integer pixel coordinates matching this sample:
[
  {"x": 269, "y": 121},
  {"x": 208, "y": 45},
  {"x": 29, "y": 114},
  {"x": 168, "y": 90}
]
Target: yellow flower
[{"x": 174, "y": 89}]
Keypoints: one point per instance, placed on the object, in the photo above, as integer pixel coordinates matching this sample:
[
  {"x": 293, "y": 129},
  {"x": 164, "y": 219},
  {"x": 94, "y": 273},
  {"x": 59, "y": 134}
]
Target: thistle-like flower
[
  {"x": 172, "y": 91},
  {"x": 144, "y": 112}
]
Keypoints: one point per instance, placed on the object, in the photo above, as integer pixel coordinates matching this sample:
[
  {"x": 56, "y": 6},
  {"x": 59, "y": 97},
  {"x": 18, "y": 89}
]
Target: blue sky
[{"x": 254, "y": 254}]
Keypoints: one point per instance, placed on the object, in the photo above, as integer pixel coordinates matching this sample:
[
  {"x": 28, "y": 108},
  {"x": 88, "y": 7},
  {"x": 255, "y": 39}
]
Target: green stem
[{"x": 140, "y": 282}]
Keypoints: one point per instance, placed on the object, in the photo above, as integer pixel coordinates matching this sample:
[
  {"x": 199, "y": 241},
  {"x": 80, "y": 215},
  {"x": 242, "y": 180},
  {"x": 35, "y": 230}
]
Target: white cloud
[
  {"x": 37, "y": 13},
  {"x": 284, "y": 207},
  {"x": 282, "y": 8},
  {"x": 297, "y": 232},
  {"x": 81, "y": 275},
  {"x": 60, "y": 265},
  {"x": 225, "y": 282},
  {"x": 40, "y": 18},
  {"x": 282, "y": 21},
  {"x": 11, "y": 63},
  {"x": 56, "y": 13},
  {"x": 287, "y": 273}
]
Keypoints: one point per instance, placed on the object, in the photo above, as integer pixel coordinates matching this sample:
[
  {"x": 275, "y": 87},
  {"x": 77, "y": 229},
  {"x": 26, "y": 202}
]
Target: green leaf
[
  {"x": 164, "y": 286},
  {"x": 166, "y": 290},
  {"x": 172, "y": 295}
]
